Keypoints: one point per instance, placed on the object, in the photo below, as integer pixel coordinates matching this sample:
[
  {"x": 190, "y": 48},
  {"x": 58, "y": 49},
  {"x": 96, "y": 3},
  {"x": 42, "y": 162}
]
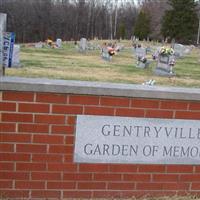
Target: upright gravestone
[
  {"x": 83, "y": 45},
  {"x": 141, "y": 57},
  {"x": 15, "y": 57},
  {"x": 58, "y": 43},
  {"x": 2, "y": 30},
  {"x": 179, "y": 50},
  {"x": 165, "y": 65}
]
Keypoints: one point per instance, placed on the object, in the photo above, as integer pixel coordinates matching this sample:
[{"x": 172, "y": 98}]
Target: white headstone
[
  {"x": 39, "y": 45},
  {"x": 2, "y": 30},
  {"x": 83, "y": 44},
  {"x": 59, "y": 43},
  {"x": 16, "y": 56}
]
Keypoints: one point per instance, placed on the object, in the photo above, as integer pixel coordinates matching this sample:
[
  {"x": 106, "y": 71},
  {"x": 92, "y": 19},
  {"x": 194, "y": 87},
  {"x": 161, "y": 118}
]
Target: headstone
[
  {"x": 58, "y": 43},
  {"x": 105, "y": 54},
  {"x": 179, "y": 50},
  {"x": 142, "y": 61},
  {"x": 16, "y": 56},
  {"x": 39, "y": 45},
  {"x": 83, "y": 45},
  {"x": 165, "y": 66},
  {"x": 2, "y": 30}
]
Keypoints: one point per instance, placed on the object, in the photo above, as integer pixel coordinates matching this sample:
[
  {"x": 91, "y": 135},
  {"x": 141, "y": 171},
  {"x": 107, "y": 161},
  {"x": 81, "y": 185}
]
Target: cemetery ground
[{"x": 69, "y": 64}]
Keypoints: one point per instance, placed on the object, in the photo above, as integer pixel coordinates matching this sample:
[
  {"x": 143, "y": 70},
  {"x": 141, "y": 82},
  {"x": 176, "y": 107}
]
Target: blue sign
[{"x": 8, "y": 45}]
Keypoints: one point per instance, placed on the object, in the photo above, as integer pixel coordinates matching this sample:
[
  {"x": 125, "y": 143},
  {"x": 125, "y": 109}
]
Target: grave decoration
[{"x": 165, "y": 63}]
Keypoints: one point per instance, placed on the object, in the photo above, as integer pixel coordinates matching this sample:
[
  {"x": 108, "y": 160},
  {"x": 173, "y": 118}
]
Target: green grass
[{"x": 67, "y": 63}]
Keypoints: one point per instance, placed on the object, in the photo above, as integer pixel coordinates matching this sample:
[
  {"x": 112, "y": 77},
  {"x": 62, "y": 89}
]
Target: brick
[
  {"x": 107, "y": 177},
  {"x": 51, "y": 98},
  {"x": 14, "y": 175},
  {"x": 62, "y": 129},
  {"x": 30, "y": 166},
  {"x": 31, "y": 148},
  {"x": 14, "y": 157},
  {"x": 7, "y": 127},
  {"x": 48, "y": 139},
  {"x": 77, "y": 177},
  {"x": 137, "y": 177},
  {"x": 46, "y": 194},
  {"x": 151, "y": 168},
  {"x": 126, "y": 112},
  {"x": 159, "y": 114},
  {"x": 187, "y": 115},
  {"x": 47, "y": 158},
  {"x": 5, "y": 106},
  {"x": 62, "y": 167},
  {"x": 12, "y": 117},
  {"x": 6, "y": 166},
  {"x": 15, "y": 138},
  {"x": 69, "y": 158},
  {"x": 121, "y": 186},
  {"x": 149, "y": 186},
  {"x": 108, "y": 194},
  {"x": 190, "y": 177},
  {"x": 69, "y": 140},
  {"x": 61, "y": 185},
  {"x": 91, "y": 185},
  {"x": 71, "y": 120},
  {"x": 45, "y": 176},
  {"x": 18, "y": 96},
  {"x": 175, "y": 105},
  {"x": 83, "y": 100},
  {"x": 91, "y": 110},
  {"x": 179, "y": 169},
  {"x": 77, "y": 194},
  {"x": 119, "y": 168},
  {"x": 29, "y": 185},
  {"x": 144, "y": 103},
  {"x": 63, "y": 149},
  {"x": 114, "y": 102},
  {"x": 15, "y": 194},
  {"x": 165, "y": 177},
  {"x": 66, "y": 109},
  {"x": 33, "y": 128},
  {"x": 195, "y": 186},
  {"x": 33, "y": 108},
  {"x": 194, "y": 106},
  {"x": 5, "y": 184},
  {"x": 6, "y": 147},
  {"x": 197, "y": 169},
  {"x": 93, "y": 168},
  {"x": 176, "y": 186},
  {"x": 50, "y": 119}
]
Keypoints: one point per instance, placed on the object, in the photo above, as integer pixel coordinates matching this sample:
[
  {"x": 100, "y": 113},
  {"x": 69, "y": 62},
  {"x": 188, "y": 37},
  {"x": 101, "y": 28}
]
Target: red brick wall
[{"x": 37, "y": 142}]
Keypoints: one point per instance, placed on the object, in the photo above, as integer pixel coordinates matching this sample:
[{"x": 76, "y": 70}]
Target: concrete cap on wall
[{"x": 97, "y": 88}]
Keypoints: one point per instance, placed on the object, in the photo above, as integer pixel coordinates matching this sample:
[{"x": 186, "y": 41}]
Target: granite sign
[{"x": 105, "y": 139}]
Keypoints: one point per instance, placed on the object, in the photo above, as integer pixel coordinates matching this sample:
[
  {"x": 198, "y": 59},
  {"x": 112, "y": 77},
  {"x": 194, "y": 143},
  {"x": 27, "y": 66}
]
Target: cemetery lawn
[{"x": 67, "y": 63}]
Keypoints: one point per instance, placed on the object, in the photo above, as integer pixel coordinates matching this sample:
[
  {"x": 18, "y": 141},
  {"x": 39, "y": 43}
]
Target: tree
[
  {"x": 142, "y": 26},
  {"x": 181, "y": 21}
]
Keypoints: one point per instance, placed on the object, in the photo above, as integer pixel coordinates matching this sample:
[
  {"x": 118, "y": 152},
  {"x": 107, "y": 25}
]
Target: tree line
[{"x": 37, "y": 20}]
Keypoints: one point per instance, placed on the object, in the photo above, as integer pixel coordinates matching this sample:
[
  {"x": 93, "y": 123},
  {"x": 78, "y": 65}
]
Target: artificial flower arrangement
[{"x": 166, "y": 51}]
